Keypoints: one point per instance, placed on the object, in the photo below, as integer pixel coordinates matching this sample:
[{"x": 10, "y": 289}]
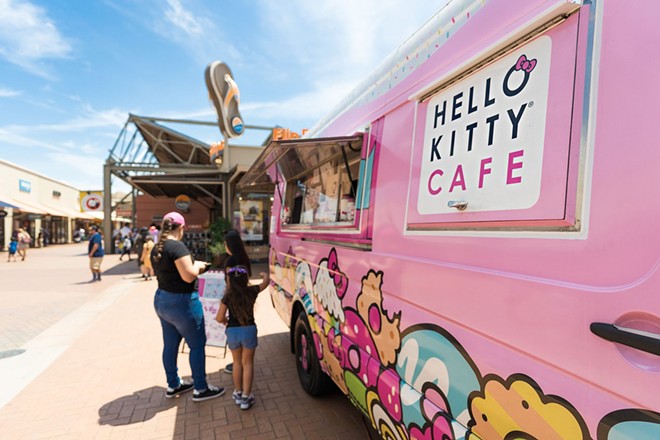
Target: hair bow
[
  {"x": 524, "y": 64},
  {"x": 237, "y": 270}
]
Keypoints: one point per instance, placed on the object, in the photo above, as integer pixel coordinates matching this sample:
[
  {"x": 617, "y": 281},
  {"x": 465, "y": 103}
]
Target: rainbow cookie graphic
[
  {"x": 330, "y": 353},
  {"x": 518, "y": 409}
]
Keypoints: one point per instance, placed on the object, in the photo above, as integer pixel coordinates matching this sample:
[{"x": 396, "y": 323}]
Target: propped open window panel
[{"x": 318, "y": 180}]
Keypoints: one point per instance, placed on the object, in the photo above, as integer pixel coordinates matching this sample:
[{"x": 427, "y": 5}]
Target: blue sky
[{"x": 72, "y": 70}]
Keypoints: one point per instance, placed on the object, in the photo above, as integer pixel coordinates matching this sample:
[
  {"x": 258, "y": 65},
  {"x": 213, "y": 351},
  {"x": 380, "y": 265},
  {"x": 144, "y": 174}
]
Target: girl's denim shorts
[{"x": 244, "y": 336}]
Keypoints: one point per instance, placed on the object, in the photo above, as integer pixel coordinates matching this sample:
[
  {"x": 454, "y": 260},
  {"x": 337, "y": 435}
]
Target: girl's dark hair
[
  {"x": 235, "y": 245},
  {"x": 166, "y": 228},
  {"x": 238, "y": 294}
]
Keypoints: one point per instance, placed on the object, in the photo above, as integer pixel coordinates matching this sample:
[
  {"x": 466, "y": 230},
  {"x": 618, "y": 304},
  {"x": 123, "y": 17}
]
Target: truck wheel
[
  {"x": 372, "y": 433},
  {"x": 312, "y": 378}
]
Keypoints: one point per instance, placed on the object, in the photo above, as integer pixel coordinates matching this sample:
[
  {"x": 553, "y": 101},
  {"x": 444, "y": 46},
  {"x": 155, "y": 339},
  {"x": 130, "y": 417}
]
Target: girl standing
[
  {"x": 236, "y": 250},
  {"x": 237, "y": 313},
  {"x": 236, "y": 256},
  {"x": 180, "y": 311}
]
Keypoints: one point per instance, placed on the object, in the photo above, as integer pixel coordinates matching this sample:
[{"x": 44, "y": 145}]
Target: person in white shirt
[
  {"x": 125, "y": 231},
  {"x": 126, "y": 247}
]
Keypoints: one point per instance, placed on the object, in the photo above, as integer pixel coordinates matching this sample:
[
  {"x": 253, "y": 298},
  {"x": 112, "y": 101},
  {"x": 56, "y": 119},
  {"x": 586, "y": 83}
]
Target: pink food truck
[{"x": 467, "y": 247}]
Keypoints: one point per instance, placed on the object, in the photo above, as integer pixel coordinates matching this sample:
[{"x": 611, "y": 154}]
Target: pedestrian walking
[
  {"x": 146, "y": 266},
  {"x": 13, "y": 247},
  {"x": 237, "y": 314},
  {"x": 180, "y": 311},
  {"x": 154, "y": 232},
  {"x": 138, "y": 246},
  {"x": 95, "y": 252},
  {"x": 24, "y": 241},
  {"x": 126, "y": 247}
]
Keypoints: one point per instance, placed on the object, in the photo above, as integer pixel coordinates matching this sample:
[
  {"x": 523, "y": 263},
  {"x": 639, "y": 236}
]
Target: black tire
[
  {"x": 372, "y": 433},
  {"x": 312, "y": 378}
]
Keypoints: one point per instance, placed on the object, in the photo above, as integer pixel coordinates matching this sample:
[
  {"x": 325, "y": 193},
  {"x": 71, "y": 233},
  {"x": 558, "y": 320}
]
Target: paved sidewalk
[{"x": 96, "y": 372}]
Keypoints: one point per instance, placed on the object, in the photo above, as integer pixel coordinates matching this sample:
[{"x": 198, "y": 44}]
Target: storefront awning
[
  {"x": 96, "y": 215},
  {"x": 31, "y": 207},
  {"x": 64, "y": 211},
  {"x": 35, "y": 207},
  {"x": 4, "y": 204}
]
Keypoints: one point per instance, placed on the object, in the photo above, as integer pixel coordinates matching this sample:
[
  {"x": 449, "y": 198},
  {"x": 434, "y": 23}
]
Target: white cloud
[
  {"x": 342, "y": 38},
  {"x": 82, "y": 171},
  {"x": 28, "y": 36},
  {"x": 50, "y": 136},
  {"x": 192, "y": 30},
  {"x": 183, "y": 19},
  {"x": 8, "y": 93},
  {"x": 90, "y": 119},
  {"x": 11, "y": 136},
  {"x": 311, "y": 104},
  {"x": 334, "y": 45}
]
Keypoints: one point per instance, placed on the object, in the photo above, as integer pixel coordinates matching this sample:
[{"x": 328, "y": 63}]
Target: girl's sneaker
[
  {"x": 237, "y": 396},
  {"x": 247, "y": 402}
]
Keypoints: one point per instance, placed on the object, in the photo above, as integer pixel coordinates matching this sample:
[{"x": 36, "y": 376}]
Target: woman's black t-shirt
[
  {"x": 253, "y": 292},
  {"x": 166, "y": 271}
]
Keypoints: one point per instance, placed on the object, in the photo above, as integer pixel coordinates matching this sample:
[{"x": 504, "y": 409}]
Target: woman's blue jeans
[{"x": 182, "y": 316}]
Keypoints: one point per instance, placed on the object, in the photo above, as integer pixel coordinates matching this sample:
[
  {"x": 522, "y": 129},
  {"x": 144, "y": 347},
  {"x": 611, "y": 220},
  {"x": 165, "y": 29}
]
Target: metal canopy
[
  {"x": 162, "y": 162},
  {"x": 169, "y": 146}
]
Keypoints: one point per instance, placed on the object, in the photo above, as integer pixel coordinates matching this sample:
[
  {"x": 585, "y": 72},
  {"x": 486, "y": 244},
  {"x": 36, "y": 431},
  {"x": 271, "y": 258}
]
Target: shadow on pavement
[
  {"x": 140, "y": 406},
  {"x": 122, "y": 268},
  {"x": 90, "y": 281},
  {"x": 280, "y": 402}
]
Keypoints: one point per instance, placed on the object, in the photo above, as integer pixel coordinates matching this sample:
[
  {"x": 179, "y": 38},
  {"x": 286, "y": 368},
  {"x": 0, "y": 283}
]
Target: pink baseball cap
[{"x": 175, "y": 218}]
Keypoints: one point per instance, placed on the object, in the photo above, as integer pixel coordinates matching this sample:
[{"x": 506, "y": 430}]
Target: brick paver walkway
[{"x": 92, "y": 365}]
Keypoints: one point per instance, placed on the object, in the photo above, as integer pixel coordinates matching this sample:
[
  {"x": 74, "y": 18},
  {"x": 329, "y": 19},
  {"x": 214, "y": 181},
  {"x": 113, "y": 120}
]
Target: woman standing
[{"x": 180, "y": 310}]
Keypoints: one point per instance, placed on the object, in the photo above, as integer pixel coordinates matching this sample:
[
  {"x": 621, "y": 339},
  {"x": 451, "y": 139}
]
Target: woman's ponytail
[{"x": 166, "y": 228}]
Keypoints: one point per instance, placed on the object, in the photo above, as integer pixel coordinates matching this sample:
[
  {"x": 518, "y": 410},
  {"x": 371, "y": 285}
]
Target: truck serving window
[
  {"x": 322, "y": 186},
  {"x": 319, "y": 182}
]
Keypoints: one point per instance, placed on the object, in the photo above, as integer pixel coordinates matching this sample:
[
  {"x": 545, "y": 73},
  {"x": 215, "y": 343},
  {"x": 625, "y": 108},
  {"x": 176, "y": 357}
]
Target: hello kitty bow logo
[
  {"x": 341, "y": 282},
  {"x": 524, "y": 64}
]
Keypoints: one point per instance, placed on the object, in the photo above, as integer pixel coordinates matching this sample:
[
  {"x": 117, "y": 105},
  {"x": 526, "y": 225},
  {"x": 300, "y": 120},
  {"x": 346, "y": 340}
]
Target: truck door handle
[
  {"x": 458, "y": 204},
  {"x": 641, "y": 340}
]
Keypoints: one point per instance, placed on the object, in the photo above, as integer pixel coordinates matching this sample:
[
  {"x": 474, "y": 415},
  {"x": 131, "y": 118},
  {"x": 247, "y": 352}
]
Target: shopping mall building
[
  {"x": 47, "y": 209},
  {"x": 165, "y": 169}
]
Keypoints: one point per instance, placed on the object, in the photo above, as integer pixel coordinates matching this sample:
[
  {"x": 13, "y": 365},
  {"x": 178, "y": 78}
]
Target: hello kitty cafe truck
[{"x": 469, "y": 248}]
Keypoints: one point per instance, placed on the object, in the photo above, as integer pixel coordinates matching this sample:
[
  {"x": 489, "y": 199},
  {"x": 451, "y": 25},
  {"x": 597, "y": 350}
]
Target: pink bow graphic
[
  {"x": 525, "y": 64},
  {"x": 338, "y": 277}
]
